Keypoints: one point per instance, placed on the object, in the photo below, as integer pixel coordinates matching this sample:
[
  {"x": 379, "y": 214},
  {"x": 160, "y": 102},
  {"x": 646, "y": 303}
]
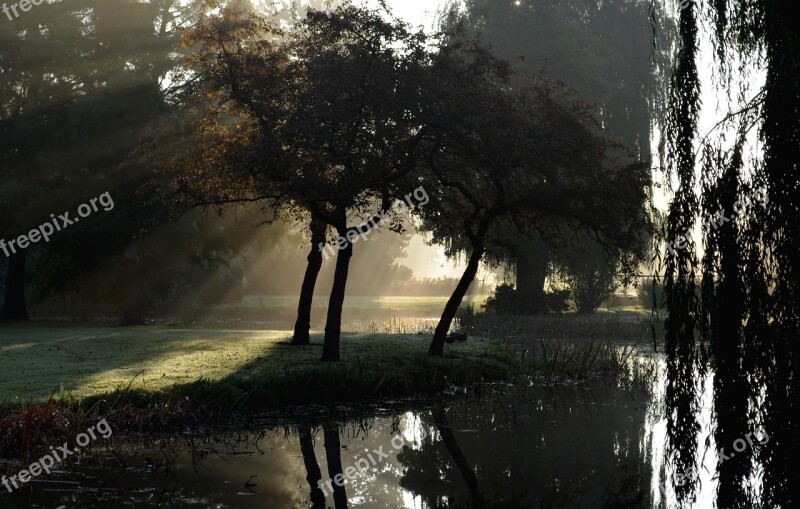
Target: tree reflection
[
  {"x": 333, "y": 453},
  {"x": 464, "y": 468},
  {"x": 313, "y": 473}
]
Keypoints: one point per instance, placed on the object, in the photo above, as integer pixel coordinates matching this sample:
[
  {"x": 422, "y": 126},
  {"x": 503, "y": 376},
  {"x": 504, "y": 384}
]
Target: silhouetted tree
[
  {"x": 745, "y": 325},
  {"x": 605, "y": 50},
  {"x": 321, "y": 143},
  {"x": 530, "y": 158}
]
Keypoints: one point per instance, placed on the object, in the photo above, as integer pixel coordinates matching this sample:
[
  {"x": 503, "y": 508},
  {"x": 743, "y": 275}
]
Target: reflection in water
[
  {"x": 729, "y": 440},
  {"x": 738, "y": 383},
  {"x": 451, "y": 444},
  {"x": 314, "y": 475},
  {"x": 572, "y": 446},
  {"x": 568, "y": 446},
  {"x": 334, "y": 458}
]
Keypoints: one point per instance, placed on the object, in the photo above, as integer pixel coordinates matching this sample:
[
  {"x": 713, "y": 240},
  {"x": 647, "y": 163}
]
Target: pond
[{"x": 587, "y": 445}]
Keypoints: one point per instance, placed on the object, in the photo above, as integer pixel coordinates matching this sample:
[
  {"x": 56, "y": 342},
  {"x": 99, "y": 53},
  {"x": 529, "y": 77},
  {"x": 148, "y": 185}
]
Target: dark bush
[{"x": 506, "y": 301}]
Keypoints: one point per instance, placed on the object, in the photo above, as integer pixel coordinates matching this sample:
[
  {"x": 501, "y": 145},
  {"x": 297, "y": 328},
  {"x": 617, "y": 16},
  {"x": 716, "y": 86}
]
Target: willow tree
[{"x": 747, "y": 321}]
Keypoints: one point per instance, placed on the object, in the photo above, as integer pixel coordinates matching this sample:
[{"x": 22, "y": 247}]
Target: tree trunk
[
  {"x": 451, "y": 444},
  {"x": 313, "y": 473},
  {"x": 437, "y": 345},
  {"x": 333, "y": 325},
  {"x": 302, "y": 326},
  {"x": 333, "y": 454},
  {"x": 531, "y": 274},
  {"x": 132, "y": 315},
  {"x": 14, "y": 307}
]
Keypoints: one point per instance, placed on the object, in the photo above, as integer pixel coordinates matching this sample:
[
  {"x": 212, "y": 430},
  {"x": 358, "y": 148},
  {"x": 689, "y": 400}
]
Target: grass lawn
[{"x": 38, "y": 360}]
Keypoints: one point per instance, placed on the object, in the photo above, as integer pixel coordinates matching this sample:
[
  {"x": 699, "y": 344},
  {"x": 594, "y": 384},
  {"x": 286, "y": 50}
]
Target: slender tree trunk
[
  {"x": 451, "y": 444},
  {"x": 132, "y": 314},
  {"x": 333, "y": 325},
  {"x": 313, "y": 472},
  {"x": 333, "y": 454},
  {"x": 531, "y": 275},
  {"x": 302, "y": 326},
  {"x": 437, "y": 345},
  {"x": 14, "y": 307}
]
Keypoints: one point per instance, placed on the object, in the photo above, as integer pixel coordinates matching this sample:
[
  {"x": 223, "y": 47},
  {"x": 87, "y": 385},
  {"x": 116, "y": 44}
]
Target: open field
[
  {"x": 38, "y": 360},
  {"x": 155, "y": 363}
]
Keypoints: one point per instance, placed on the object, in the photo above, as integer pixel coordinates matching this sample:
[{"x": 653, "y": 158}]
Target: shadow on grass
[
  {"x": 265, "y": 373},
  {"x": 382, "y": 372},
  {"x": 43, "y": 360}
]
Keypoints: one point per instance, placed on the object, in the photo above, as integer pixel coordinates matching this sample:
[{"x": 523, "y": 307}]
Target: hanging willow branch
[
  {"x": 746, "y": 325},
  {"x": 681, "y": 267}
]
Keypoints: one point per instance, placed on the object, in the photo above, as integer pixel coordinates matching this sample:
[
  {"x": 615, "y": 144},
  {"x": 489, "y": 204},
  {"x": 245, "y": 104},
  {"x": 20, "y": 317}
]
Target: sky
[{"x": 416, "y": 12}]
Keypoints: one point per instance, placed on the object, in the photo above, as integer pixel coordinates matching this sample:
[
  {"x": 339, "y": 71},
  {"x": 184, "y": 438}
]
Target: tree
[
  {"x": 35, "y": 94},
  {"x": 599, "y": 49},
  {"x": 360, "y": 125},
  {"x": 746, "y": 323},
  {"x": 320, "y": 143},
  {"x": 531, "y": 157},
  {"x": 89, "y": 79},
  {"x": 590, "y": 276}
]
